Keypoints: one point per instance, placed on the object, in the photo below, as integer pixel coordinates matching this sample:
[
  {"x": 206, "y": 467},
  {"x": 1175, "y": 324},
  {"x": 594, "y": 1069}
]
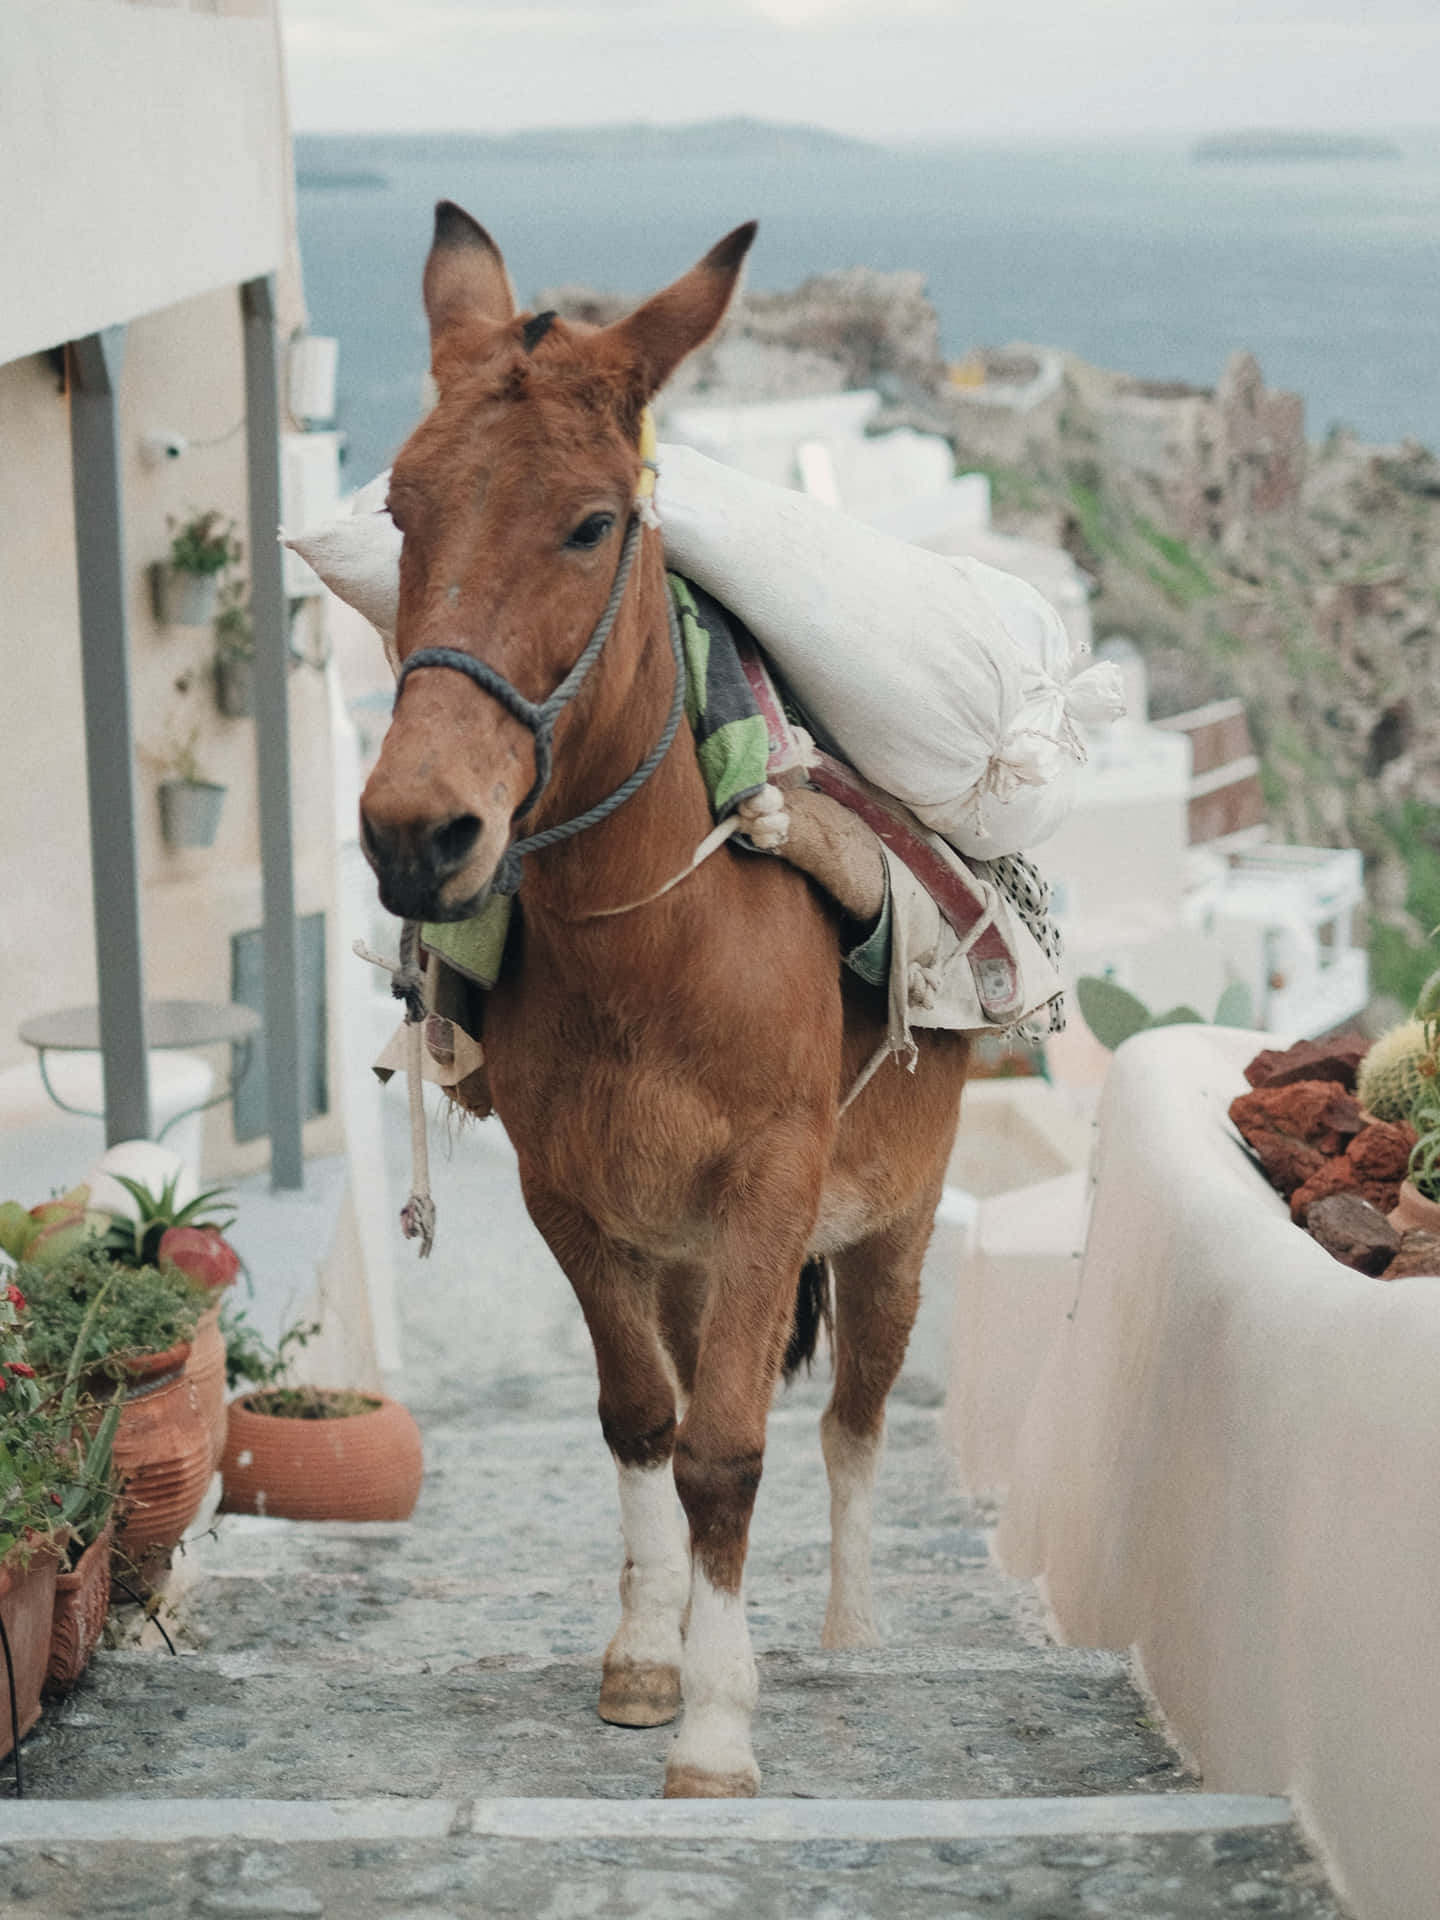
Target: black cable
[{"x": 139, "y": 1600}]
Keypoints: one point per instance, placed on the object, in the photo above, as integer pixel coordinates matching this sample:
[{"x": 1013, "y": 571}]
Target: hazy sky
[{"x": 885, "y": 68}]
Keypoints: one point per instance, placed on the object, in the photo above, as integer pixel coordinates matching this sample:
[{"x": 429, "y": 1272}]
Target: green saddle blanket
[{"x": 731, "y": 743}]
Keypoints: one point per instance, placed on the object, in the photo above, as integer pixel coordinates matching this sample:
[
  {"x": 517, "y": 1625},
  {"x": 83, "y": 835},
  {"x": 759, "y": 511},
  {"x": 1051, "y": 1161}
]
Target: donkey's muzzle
[{"x": 412, "y": 862}]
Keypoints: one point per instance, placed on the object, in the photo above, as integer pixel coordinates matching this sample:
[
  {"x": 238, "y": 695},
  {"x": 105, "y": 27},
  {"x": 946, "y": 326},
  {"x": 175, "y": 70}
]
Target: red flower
[
  {"x": 56, "y": 1501},
  {"x": 4, "y": 1383},
  {"x": 15, "y": 1297},
  {"x": 22, "y": 1367}
]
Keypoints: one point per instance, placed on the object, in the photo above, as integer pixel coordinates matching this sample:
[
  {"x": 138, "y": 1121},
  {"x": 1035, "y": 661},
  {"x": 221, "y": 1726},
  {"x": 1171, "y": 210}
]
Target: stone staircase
[{"x": 391, "y": 1722}]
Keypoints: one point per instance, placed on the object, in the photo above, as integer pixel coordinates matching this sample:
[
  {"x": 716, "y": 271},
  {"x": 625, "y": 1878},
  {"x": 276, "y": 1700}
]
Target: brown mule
[{"x": 671, "y": 1077}]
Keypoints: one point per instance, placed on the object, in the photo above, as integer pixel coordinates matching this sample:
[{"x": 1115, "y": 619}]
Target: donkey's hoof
[
  {"x": 685, "y": 1782},
  {"x": 633, "y": 1695}
]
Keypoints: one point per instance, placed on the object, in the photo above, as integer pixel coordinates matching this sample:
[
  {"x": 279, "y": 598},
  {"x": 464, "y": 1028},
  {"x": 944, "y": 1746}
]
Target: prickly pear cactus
[{"x": 1397, "y": 1070}]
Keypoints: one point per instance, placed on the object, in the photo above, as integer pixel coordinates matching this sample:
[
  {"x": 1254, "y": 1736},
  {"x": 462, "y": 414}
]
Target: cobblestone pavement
[{"x": 417, "y": 1666}]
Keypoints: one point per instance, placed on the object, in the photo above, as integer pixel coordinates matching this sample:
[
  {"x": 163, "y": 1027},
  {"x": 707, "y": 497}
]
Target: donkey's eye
[{"x": 591, "y": 531}]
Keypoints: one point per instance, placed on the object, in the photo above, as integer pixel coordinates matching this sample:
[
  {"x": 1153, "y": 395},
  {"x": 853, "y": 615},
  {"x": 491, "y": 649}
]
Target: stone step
[
  {"x": 1163, "y": 1857},
  {"x": 515, "y": 1548},
  {"x": 913, "y": 1723}
]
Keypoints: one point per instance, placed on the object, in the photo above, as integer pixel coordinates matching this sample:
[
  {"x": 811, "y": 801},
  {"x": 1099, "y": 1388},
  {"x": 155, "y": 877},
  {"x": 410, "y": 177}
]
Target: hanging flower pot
[
  {"x": 187, "y": 586},
  {"x": 163, "y": 1455},
  {"x": 235, "y": 685},
  {"x": 304, "y": 1453},
  {"x": 27, "y": 1605},
  {"x": 82, "y": 1602},
  {"x": 190, "y": 812},
  {"x": 184, "y": 599}
]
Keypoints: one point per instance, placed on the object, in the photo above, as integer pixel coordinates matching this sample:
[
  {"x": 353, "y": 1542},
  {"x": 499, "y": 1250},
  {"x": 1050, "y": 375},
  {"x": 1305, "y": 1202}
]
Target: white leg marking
[
  {"x": 712, "y": 1751},
  {"x": 655, "y": 1580},
  {"x": 850, "y": 1461}
]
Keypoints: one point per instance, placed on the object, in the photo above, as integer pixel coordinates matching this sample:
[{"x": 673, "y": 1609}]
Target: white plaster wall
[
  {"x": 151, "y": 146},
  {"x": 1229, "y": 1463},
  {"x": 47, "y": 934},
  {"x": 183, "y": 371}
]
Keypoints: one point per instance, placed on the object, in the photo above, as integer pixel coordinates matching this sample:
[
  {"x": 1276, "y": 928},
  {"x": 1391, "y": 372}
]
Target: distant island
[
  {"x": 1294, "y": 146},
  {"x": 323, "y": 157},
  {"x": 339, "y": 177}
]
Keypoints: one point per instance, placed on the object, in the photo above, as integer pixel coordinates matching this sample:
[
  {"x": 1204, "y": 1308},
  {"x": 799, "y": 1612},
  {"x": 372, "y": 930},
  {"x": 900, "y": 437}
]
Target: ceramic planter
[
  {"x": 27, "y": 1606},
  {"x": 190, "y": 812},
  {"x": 1412, "y": 1209},
  {"x": 82, "y": 1601},
  {"x": 206, "y": 1367},
  {"x": 163, "y": 1453},
  {"x": 235, "y": 685},
  {"x": 362, "y": 1466},
  {"x": 184, "y": 599}
]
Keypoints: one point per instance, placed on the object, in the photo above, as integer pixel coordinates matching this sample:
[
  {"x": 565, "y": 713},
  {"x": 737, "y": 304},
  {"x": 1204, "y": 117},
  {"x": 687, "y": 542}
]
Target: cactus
[
  {"x": 1397, "y": 1071},
  {"x": 1112, "y": 1013}
]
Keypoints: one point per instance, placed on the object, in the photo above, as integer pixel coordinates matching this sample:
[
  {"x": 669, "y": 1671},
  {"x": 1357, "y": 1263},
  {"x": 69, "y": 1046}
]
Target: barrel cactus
[{"x": 1398, "y": 1069}]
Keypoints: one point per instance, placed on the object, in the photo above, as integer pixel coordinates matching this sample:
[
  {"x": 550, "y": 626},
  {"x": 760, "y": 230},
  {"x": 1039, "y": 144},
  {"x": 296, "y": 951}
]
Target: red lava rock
[
  {"x": 1381, "y": 1151},
  {"x": 1353, "y": 1232},
  {"x": 1419, "y": 1254},
  {"x": 1335, "y": 1175},
  {"x": 1294, "y": 1129},
  {"x": 1337, "y": 1060}
]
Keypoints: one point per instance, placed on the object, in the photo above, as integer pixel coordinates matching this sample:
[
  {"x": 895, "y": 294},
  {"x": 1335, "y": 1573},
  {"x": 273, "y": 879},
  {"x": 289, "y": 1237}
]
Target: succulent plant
[
  {"x": 136, "y": 1242},
  {"x": 1397, "y": 1072}
]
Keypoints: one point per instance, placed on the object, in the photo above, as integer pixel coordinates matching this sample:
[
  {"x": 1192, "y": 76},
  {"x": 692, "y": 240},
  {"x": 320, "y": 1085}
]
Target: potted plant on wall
[
  {"x": 157, "y": 1228},
  {"x": 189, "y": 803},
  {"x": 312, "y": 1453},
  {"x": 187, "y": 585},
  {"x": 234, "y": 654},
  {"x": 31, "y": 1474},
  {"x": 131, "y": 1327}
]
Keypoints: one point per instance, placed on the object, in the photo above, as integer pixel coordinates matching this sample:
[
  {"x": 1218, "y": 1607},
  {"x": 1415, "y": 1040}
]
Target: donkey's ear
[
  {"x": 465, "y": 277},
  {"x": 656, "y": 337}
]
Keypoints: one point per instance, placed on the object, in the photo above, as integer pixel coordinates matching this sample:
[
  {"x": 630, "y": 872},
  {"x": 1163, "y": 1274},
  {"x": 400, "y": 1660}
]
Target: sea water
[{"x": 1133, "y": 255}]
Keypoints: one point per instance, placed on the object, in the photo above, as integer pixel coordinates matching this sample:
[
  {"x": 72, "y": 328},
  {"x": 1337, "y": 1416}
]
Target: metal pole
[
  {"x": 109, "y": 761},
  {"x": 272, "y": 737}
]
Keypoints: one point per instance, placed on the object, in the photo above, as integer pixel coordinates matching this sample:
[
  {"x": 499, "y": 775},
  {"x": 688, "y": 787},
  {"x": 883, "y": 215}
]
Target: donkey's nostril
[{"x": 452, "y": 844}]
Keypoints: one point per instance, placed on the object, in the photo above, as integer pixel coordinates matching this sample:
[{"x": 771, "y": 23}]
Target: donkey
[{"x": 672, "y": 1076}]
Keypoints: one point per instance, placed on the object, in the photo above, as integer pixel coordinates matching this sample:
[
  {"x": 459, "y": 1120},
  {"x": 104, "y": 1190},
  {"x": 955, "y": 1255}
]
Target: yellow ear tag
[{"x": 649, "y": 467}]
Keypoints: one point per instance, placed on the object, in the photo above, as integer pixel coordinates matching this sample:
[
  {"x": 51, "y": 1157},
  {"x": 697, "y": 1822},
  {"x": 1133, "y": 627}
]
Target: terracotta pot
[
  {"x": 362, "y": 1466},
  {"x": 162, "y": 1450},
  {"x": 27, "y": 1604},
  {"x": 82, "y": 1600},
  {"x": 206, "y": 1367},
  {"x": 1412, "y": 1209}
]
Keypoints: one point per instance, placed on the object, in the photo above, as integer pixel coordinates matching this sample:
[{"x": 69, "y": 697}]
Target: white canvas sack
[
  {"x": 358, "y": 558},
  {"x": 946, "y": 682}
]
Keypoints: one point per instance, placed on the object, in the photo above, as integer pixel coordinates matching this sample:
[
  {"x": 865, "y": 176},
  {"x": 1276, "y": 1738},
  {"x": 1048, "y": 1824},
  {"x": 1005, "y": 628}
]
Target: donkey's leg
[
  {"x": 877, "y": 1290},
  {"x": 719, "y": 1453},
  {"x": 640, "y": 1684},
  {"x": 641, "y": 1681}
]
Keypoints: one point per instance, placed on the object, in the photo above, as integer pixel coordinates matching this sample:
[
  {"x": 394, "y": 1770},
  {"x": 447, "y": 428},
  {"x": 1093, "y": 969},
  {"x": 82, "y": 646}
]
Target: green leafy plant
[
  {"x": 310, "y": 1403},
  {"x": 31, "y": 1470},
  {"x": 137, "y": 1242},
  {"x": 1113, "y": 1014},
  {"x": 89, "y": 1315},
  {"x": 206, "y": 543},
  {"x": 249, "y": 1357}
]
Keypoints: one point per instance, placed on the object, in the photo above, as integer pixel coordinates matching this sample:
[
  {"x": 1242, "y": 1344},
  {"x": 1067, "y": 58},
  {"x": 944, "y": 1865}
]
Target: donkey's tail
[{"x": 812, "y": 1312}]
